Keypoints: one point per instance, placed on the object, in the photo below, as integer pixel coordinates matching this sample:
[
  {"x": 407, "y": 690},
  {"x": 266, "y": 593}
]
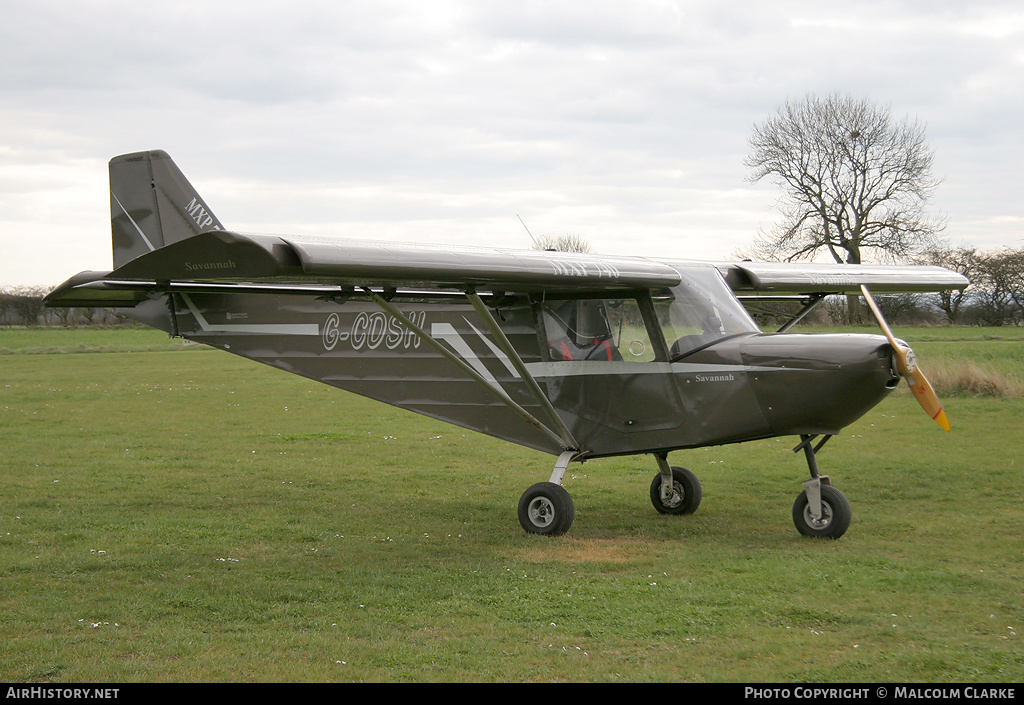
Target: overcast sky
[{"x": 441, "y": 121}]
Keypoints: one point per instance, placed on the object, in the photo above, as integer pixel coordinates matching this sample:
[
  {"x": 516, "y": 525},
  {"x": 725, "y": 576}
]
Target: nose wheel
[
  {"x": 831, "y": 523},
  {"x": 820, "y": 510}
]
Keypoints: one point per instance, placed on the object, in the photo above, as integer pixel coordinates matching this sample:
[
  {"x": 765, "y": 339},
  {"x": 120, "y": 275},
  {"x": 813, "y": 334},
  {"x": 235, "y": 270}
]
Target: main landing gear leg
[
  {"x": 820, "y": 510},
  {"x": 546, "y": 508}
]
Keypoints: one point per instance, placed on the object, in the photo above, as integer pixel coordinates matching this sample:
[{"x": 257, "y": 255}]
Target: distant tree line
[
  {"x": 23, "y": 306},
  {"x": 996, "y": 294}
]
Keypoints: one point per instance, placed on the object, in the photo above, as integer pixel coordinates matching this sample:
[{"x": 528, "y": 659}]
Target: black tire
[
  {"x": 688, "y": 487},
  {"x": 835, "y": 511},
  {"x": 546, "y": 509}
]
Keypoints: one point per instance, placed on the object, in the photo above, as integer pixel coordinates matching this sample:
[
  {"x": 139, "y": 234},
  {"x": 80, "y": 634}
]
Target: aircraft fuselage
[{"x": 745, "y": 386}]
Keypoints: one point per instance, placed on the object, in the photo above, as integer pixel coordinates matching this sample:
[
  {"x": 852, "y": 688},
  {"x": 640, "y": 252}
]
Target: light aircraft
[{"x": 577, "y": 355}]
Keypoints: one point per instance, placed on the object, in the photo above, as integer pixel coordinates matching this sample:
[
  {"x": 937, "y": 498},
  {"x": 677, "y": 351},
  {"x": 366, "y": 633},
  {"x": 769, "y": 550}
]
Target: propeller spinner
[{"x": 906, "y": 365}]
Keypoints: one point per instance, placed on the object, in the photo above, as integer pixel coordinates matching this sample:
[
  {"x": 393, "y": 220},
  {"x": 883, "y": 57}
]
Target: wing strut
[
  {"x": 565, "y": 443},
  {"x": 506, "y": 347},
  {"x": 812, "y": 303}
]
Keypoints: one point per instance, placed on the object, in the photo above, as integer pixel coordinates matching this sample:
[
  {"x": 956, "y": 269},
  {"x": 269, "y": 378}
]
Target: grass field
[{"x": 173, "y": 513}]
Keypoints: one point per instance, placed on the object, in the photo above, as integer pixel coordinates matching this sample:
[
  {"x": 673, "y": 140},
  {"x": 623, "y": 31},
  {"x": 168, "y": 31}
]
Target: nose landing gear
[{"x": 820, "y": 510}]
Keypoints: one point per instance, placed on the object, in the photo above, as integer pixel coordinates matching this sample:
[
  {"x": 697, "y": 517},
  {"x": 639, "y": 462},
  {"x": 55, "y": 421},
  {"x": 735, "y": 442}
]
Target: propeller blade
[
  {"x": 906, "y": 363},
  {"x": 927, "y": 397}
]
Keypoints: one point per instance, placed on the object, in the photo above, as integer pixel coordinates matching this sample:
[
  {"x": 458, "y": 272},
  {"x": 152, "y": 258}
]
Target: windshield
[{"x": 700, "y": 310}]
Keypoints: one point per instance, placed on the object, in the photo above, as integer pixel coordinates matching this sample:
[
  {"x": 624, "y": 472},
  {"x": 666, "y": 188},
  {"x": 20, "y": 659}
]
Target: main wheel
[
  {"x": 687, "y": 493},
  {"x": 835, "y": 514},
  {"x": 546, "y": 508}
]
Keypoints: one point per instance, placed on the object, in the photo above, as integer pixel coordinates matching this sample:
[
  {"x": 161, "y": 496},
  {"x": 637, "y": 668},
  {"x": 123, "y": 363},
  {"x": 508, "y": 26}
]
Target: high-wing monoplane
[{"x": 580, "y": 356}]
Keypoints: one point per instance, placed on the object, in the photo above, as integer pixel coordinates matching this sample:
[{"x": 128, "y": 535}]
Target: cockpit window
[
  {"x": 699, "y": 311},
  {"x": 610, "y": 330}
]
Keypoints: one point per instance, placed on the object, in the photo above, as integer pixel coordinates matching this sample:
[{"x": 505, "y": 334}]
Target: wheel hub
[
  {"x": 672, "y": 497},
  {"x": 826, "y": 516},
  {"x": 541, "y": 511}
]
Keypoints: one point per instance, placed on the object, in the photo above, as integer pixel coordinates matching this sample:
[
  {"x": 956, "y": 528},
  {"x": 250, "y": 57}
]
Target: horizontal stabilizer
[{"x": 89, "y": 290}]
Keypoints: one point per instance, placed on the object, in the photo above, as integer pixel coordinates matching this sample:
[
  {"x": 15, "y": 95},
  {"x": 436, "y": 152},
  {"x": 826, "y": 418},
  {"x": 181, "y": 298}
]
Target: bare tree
[
  {"x": 855, "y": 181},
  {"x": 568, "y": 242}
]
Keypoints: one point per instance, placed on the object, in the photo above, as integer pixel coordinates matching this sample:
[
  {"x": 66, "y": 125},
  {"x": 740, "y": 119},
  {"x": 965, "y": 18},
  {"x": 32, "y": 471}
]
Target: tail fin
[{"x": 152, "y": 204}]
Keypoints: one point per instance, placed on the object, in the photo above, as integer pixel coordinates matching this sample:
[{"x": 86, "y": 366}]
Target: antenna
[{"x": 535, "y": 243}]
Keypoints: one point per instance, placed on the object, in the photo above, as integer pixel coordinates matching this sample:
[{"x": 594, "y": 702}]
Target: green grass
[
  {"x": 19, "y": 340},
  {"x": 198, "y": 517}
]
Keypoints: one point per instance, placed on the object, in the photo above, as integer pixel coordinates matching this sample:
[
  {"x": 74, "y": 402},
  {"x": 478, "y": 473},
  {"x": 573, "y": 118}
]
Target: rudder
[{"x": 152, "y": 204}]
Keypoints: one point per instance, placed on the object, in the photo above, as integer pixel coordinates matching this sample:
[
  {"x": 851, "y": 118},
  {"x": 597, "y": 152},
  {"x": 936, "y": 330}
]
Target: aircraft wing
[
  {"x": 454, "y": 267},
  {"x": 224, "y": 260},
  {"x": 812, "y": 278}
]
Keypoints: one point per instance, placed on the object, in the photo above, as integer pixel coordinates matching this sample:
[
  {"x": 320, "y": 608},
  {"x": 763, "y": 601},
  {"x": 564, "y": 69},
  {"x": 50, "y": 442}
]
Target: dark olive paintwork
[{"x": 299, "y": 304}]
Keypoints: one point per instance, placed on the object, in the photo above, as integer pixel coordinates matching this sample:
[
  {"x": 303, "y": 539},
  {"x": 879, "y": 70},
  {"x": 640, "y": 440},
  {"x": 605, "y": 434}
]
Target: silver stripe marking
[{"x": 266, "y": 328}]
